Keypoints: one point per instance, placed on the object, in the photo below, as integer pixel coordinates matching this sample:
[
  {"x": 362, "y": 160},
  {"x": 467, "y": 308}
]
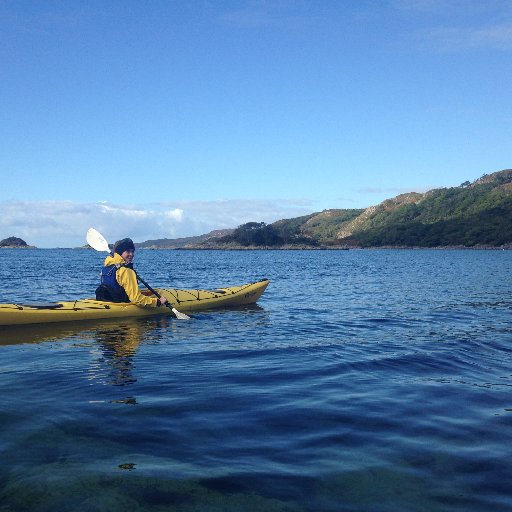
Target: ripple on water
[{"x": 364, "y": 380}]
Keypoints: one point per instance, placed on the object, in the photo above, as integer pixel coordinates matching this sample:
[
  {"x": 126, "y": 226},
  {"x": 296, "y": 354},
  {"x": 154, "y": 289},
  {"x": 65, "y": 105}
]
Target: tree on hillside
[{"x": 255, "y": 233}]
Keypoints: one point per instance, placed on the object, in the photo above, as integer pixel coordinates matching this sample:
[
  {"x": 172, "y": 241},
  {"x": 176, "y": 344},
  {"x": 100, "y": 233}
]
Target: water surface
[{"x": 363, "y": 380}]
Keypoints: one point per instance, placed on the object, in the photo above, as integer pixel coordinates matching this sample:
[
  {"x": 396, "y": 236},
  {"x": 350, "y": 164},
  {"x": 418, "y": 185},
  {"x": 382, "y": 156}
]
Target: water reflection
[
  {"x": 112, "y": 344},
  {"x": 116, "y": 348},
  {"x": 36, "y": 333},
  {"x": 84, "y": 330}
]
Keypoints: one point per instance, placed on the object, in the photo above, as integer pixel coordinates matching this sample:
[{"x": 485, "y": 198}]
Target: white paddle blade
[
  {"x": 96, "y": 240},
  {"x": 180, "y": 316}
]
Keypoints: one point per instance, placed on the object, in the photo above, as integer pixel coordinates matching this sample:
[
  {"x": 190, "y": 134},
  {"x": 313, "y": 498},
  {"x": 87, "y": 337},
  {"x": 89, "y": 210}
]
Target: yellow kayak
[{"x": 91, "y": 309}]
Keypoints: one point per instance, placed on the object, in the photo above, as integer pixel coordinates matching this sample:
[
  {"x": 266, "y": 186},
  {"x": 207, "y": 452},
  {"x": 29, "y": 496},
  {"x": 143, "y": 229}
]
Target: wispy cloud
[
  {"x": 454, "y": 25},
  {"x": 392, "y": 190},
  {"x": 450, "y": 8},
  {"x": 64, "y": 223},
  {"x": 460, "y": 38}
]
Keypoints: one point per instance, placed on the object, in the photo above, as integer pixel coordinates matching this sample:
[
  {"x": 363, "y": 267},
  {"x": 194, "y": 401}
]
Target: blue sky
[{"x": 171, "y": 118}]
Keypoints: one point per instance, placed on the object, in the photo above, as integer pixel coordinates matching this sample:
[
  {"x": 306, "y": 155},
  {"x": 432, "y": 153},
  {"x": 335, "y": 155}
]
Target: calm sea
[{"x": 364, "y": 380}]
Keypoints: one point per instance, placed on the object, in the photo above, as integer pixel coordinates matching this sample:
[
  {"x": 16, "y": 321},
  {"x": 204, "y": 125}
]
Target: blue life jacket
[{"x": 109, "y": 289}]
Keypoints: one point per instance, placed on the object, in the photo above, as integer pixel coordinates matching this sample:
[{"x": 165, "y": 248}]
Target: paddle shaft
[
  {"x": 152, "y": 290},
  {"x": 178, "y": 314}
]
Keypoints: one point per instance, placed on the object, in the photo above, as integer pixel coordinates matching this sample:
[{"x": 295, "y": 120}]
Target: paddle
[{"x": 97, "y": 241}]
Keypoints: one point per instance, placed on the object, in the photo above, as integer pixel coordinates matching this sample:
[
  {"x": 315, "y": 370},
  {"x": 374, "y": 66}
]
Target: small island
[{"x": 14, "y": 243}]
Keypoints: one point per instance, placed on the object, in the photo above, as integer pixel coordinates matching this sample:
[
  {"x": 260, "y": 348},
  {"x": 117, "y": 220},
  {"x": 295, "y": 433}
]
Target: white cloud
[
  {"x": 64, "y": 223},
  {"x": 176, "y": 214}
]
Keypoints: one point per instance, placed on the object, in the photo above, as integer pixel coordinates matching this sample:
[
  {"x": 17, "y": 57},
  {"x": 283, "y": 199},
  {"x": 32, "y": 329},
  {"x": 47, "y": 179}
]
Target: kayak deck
[
  {"x": 90, "y": 309},
  {"x": 197, "y": 300}
]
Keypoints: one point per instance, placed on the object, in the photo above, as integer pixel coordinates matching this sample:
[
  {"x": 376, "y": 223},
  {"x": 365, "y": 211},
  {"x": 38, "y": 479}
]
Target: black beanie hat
[{"x": 124, "y": 245}]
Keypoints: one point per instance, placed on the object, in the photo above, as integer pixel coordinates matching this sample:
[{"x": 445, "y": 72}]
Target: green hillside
[
  {"x": 471, "y": 214},
  {"x": 478, "y": 213},
  {"x": 179, "y": 243}
]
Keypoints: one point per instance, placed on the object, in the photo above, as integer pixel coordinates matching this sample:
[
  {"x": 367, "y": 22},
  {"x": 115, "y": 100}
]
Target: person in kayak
[{"x": 119, "y": 279}]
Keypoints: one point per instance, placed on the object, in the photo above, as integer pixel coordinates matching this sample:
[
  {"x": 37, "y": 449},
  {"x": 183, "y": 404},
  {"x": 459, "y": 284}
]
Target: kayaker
[{"x": 119, "y": 280}]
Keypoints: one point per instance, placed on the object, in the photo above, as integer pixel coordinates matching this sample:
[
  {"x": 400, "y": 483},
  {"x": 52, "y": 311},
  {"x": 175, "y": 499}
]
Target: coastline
[
  {"x": 507, "y": 247},
  {"x": 333, "y": 248},
  {"x": 18, "y": 247}
]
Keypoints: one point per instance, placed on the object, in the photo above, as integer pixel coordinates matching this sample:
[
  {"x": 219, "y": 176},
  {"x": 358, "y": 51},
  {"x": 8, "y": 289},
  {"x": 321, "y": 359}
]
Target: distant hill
[
  {"x": 473, "y": 214},
  {"x": 470, "y": 215},
  {"x": 13, "y": 242},
  {"x": 179, "y": 243}
]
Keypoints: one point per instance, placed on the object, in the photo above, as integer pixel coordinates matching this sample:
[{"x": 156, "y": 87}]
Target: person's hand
[{"x": 162, "y": 301}]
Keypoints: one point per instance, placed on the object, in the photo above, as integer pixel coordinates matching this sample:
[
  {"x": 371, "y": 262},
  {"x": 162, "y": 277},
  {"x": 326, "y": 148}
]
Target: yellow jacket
[{"x": 127, "y": 278}]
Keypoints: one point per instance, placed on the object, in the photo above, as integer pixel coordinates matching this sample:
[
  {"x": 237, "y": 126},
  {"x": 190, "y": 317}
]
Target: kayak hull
[{"x": 90, "y": 309}]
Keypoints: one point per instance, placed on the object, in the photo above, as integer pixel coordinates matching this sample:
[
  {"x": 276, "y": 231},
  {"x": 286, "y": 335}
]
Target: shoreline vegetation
[{"x": 475, "y": 215}]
